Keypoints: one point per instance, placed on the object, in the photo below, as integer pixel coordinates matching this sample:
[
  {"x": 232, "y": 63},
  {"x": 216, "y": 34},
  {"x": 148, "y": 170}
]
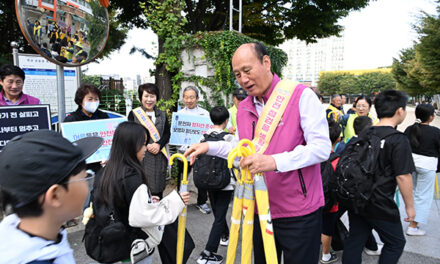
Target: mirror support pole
[
  {"x": 78, "y": 75},
  {"x": 61, "y": 94},
  {"x": 14, "y": 46}
]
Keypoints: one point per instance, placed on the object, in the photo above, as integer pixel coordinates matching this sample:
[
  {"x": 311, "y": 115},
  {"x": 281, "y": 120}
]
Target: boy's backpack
[
  {"x": 210, "y": 172},
  {"x": 106, "y": 238},
  {"x": 359, "y": 172},
  {"x": 329, "y": 181}
]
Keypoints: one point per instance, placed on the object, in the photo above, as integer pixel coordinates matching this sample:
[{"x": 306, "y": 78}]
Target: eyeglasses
[{"x": 90, "y": 177}]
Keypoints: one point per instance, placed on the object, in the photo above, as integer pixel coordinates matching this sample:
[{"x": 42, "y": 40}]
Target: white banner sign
[{"x": 41, "y": 81}]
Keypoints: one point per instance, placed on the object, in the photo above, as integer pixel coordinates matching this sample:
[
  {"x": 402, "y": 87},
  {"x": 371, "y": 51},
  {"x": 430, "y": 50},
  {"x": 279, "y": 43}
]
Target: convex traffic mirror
[{"x": 66, "y": 32}]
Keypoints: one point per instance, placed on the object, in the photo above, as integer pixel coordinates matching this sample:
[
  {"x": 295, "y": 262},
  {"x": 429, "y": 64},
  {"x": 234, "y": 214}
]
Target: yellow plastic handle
[
  {"x": 250, "y": 144},
  {"x": 231, "y": 157},
  {"x": 185, "y": 166}
]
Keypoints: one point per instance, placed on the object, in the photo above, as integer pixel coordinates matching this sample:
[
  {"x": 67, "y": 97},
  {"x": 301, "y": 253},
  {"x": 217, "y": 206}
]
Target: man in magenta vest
[
  {"x": 290, "y": 164},
  {"x": 12, "y": 80}
]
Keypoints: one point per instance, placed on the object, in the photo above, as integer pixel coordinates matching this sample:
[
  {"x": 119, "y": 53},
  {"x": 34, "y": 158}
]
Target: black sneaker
[
  {"x": 333, "y": 258},
  {"x": 211, "y": 259}
]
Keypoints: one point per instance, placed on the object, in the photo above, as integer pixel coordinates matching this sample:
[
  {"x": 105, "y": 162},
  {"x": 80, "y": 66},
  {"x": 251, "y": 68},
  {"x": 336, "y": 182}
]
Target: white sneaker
[
  {"x": 204, "y": 208},
  {"x": 224, "y": 241},
  {"x": 411, "y": 231},
  {"x": 374, "y": 252}
]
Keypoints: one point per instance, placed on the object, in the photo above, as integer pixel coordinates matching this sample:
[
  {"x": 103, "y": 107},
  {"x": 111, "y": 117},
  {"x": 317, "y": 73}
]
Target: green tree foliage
[
  {"x": 402, "y": 71},
  {"x": 417, "y": 70},
  {"x": 330, "y": 83},
  {"x": 273, "y": 21},
  {"x": 427, "y": 66},
  {"x": 371, "y": 82},
  {"x": 366, "y": 83},
  {"x": 92, "y": 79},
  {"x": 10, "y": 31}
]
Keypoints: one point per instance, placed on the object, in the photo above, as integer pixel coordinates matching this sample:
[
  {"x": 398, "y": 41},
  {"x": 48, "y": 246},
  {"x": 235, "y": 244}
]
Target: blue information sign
[
  {"x": 188, "y": 129},
  {"x": 104, "y": 128}
]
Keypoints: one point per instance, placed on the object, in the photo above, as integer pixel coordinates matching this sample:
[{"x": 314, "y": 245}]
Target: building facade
[{"x": 305, "y": 61}]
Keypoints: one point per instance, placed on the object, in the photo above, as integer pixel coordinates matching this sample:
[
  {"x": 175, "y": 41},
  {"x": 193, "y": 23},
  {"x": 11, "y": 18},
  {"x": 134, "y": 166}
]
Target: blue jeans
[
  {"x": 391, "y": 233},
  {"x": 423, "y": 191}
]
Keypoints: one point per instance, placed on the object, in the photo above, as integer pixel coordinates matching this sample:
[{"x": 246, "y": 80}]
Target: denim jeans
[
  {"x": 391, "y": 233},
  {"x": 423, "y": 191}
]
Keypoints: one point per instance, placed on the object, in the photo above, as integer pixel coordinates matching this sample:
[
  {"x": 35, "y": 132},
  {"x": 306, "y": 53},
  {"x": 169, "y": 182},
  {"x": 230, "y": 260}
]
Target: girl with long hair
[
  {"x": 425, "y": 144},
  {"x": 122, "y": 184}
]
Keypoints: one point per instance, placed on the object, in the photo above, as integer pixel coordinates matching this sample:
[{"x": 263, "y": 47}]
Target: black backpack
[
  {"x": 210, "y": 172},
  {"x": 106, "y": 238},
  {"x": 329, "y": 181},
  {"x": 359, "y": 171}
]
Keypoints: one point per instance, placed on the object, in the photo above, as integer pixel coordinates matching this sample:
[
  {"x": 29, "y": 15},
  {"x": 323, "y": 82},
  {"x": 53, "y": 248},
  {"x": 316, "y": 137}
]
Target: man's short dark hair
[
  {"x": 8, "y": 69},
  {"x": 219, "y": 114},
  {"x": 334, "y": 130},
  {"x": 83, "y": 90},
  {"x": 150, "y": 88},
  {"x": 360, "y": 123},
  {"x": 387, "y": 103},
  {"x": 260, "y": 50},
  {"x": 34, "y": 208}
]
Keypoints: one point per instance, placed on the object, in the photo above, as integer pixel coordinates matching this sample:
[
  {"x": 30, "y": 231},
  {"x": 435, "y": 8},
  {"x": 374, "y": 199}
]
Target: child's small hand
[
  {"x": 155, "y": 199},
  {"x": 185, "y": 197}
]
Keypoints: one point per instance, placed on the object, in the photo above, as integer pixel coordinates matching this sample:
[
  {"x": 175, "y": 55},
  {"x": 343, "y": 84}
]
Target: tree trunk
[{"x": 163, "y": 77}]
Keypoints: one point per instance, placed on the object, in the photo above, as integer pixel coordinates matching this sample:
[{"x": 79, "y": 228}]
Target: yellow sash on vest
[
  {"x": 272, "y": 113},
  {"x": 148, "y": 124}
]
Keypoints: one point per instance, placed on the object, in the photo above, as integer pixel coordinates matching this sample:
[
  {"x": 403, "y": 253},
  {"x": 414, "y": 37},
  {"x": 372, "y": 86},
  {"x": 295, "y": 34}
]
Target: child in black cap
[{"x": 43, "y": 179}]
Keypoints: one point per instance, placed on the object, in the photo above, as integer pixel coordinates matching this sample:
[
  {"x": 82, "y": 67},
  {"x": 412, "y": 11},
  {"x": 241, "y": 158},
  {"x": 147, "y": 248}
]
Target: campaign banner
[
  {"x": 104, "y": 128},
  {"x": 17, "y": 120},
  {"x": 188, "y": 129}
]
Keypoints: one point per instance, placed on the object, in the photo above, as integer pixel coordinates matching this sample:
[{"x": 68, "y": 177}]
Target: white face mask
[{"x": 91, "y": 106}]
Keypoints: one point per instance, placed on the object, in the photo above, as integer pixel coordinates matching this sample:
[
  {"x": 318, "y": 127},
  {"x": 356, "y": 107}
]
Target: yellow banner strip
[
  {"x": 148, "y": 124},
  {"x": 272, "y": 113}
]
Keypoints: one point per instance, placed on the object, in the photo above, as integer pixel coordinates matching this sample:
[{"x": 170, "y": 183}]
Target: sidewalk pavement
[{"x": 423, "y": 249}]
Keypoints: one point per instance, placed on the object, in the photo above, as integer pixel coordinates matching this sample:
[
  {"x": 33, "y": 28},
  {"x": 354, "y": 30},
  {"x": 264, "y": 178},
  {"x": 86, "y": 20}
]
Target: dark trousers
[
  {"x": 391, "y": 233},
  {"x": 371, "y": 243},
  {"x": 298, "y": 239},
  {"x": 219, "y": 202},
  {"x": 202, "y": 195}
]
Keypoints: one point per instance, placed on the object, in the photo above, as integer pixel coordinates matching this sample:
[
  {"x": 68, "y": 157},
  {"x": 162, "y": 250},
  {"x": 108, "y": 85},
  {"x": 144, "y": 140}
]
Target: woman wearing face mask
[
  {"x": 156, "y": 124},
  {"x": 87, "y": 98}
]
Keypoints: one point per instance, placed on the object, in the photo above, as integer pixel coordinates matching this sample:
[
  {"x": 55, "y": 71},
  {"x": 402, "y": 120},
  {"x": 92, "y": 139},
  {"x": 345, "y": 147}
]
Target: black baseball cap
[
  {"x": 32, "y": 162},
  {"x": 240, "y": 94}
]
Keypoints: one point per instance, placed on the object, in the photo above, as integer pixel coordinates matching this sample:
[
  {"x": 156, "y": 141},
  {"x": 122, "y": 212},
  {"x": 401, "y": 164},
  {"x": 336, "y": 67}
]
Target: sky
[{"x": 373, "y": 36}]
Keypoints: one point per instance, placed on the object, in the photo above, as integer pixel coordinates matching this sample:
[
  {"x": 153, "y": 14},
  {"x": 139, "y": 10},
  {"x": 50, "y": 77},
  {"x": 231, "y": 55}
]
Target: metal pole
[
  {"x": 14, "y": 46},
  {"x": 231, "y": 14},
  {"x": 60, "y": 94},
  {"x": 78, "y": 76},
  {"x": 239, "y": 16}
]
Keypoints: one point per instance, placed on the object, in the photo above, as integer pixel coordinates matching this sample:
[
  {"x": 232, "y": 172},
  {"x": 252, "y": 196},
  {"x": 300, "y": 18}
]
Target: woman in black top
[
  {"x": 155, "y": 162},
  {"x": 87, "y": 97},
  {"x": 122, "y": 185},
  {"x": 425, "y": 144}
]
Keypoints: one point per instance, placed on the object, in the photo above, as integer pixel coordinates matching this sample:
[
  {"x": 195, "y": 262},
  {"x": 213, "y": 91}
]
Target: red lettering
[
  {"x": 265, "y": 127},
  {"x": 272, "y": 113}
]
